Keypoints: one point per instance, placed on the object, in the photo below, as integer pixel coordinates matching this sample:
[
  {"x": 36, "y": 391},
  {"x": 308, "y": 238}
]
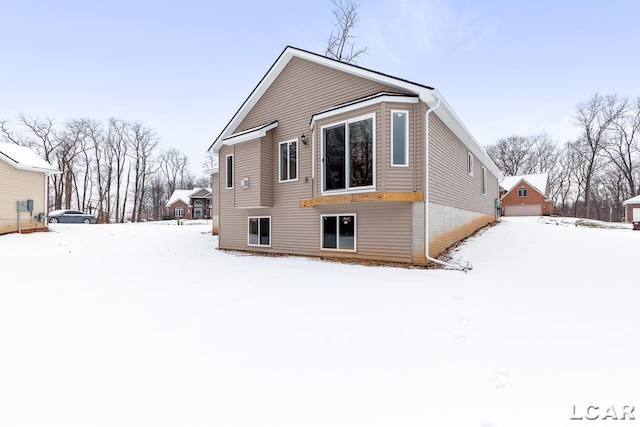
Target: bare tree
[
  {"x": 341, "y": 44},
  {"x": 623, "y": 148},
  {"x": 116, "y": 138},
  {"x": 595, "y": 118},
  {"x": 142, "y": 141},
  {"x": 174, "y": 167}
]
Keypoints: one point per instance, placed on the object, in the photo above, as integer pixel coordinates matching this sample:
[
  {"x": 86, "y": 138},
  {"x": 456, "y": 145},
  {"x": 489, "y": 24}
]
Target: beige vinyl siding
[
  {"x": 383, "y": 230},
  {"x": 215, "y": 202},
  {"x": 402, "y": 178},
  {"x": 267, "y": 170},
  {"x": 304, "y": 88},
  {"x": 15, "y": 185},
  {"x": 449, "y": 182}
]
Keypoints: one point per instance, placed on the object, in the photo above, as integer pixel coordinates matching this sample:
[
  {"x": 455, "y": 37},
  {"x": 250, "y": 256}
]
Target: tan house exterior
[
  {"x": 526, "y": 195},
  {"x": 190, "y": 204},
  {"x": 23, "y": 189},
  {"x": 327, "y": 159}
]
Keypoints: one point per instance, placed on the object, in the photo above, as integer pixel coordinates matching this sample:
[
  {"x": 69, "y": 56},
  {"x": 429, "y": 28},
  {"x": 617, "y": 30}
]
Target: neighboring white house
[{"x": 23, "y": 189}]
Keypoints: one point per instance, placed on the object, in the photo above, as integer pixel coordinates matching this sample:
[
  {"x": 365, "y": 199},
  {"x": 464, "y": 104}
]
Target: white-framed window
[
  {"x": 338, "y": 232},
  {"x": 399, "y": 138},
  {"x": 208, "y": 201},
  {"x": 470, "y": 163},
  {"x": 178, "y": 212},
  {"x": 259, "y": 231},
  {"x": 230, "y": 171},
  {"x": 483, "y": 184},
  {"x": 348, "y": 155},
  {"x": 288, "y": 160},
  {"x": 197, "y": 203},
  {"x": 522, "y": 192}
]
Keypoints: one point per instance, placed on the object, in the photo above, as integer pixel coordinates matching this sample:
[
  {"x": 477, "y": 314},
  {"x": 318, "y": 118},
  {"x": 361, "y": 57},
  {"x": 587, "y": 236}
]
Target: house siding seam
[{"x": 15, "y": 185}]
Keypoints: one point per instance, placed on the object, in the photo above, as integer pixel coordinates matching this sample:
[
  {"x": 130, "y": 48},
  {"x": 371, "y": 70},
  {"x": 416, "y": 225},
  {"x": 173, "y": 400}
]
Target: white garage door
[
  {"x": 636, "y": 214},
  {"x": 523, "y": 210}
]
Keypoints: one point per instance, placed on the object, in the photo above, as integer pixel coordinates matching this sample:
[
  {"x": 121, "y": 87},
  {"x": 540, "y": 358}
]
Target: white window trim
[
  {"x": 226, "y": 171},
  {"x": 249, "y": 230},
  {"x": 288, "y": 163},
  {"x": 348, "y": 190},
  {"x": 355, "y": 233},
  {"x": 175, "y": 212},
  {"x": 469, "y": 163},
  {"x": 406, "y": 140},
  {"x": 483, "y": 181},
  {"x": 525, "y": 192}
]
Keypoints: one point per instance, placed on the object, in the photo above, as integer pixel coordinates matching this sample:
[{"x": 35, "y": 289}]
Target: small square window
[
  {"x": 338, "y": 232},
  {"x": 522, "y": 192},
  {"x": 259, "y": 233}
]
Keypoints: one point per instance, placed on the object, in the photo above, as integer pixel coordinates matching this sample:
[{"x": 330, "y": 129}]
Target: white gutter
[{"x": 426, "y": 192}]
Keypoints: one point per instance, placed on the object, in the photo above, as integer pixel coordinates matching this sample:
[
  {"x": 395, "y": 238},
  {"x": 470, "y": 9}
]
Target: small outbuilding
[
  {"x": 526, "y": 195},
  {"x": 23, "y": 189},
  {"x": 632, "y": 209}
]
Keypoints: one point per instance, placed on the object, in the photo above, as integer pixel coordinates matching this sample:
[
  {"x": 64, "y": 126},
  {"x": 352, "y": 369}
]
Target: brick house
[
  {"x": 526, "y": 195},
  {"x": 190, "y": 204}
]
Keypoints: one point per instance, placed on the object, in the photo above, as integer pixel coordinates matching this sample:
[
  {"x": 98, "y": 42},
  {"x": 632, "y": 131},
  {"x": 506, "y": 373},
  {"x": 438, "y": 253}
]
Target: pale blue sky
[{"x": 184, "y": 67}]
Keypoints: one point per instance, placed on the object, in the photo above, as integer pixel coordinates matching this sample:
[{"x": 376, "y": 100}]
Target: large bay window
[
  {"x": 259, "y": 233},
  {"x": 338, "y": 232},
  {"x": 349, "y": 155}
]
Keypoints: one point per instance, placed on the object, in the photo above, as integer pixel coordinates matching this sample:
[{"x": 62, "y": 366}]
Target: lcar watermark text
[{"x": 603, "y": 413}]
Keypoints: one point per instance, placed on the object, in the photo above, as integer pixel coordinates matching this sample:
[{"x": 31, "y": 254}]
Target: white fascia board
[
  {"x": 250, "y": 134},
  {"x": 365, "y": 103},
  {"x": 29, "y": 168}
]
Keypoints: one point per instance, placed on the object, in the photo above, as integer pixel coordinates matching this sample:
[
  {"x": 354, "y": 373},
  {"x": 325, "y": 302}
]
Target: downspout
[{"x": 426, "y": 193}]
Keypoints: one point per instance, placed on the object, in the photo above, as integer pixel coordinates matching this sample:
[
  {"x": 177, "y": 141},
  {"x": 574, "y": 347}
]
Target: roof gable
[
  {"x": 280, "y": 64},
  {"x": 426, "y": 94},
  {"x": 21, "y": 157},
  {"x": 631, "y": 200},
  {"x": 538, "y": 181}
]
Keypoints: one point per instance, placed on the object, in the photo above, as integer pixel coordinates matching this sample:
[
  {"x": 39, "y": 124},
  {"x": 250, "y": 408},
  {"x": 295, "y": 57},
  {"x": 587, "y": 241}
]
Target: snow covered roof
[
  {"x": 185, "y": 195},
  {"x": 21, "y": 157},
  {"x": 631, "y": 200},
  {"x": 538, "y": 180}
]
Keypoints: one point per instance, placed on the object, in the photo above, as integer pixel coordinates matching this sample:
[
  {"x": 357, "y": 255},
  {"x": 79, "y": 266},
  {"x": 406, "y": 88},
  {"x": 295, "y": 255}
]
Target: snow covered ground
[{"x": 151, "y": 325}]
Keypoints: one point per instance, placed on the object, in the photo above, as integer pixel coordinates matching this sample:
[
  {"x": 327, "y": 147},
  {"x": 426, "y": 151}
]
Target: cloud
[{"x": 423, "y": 27}]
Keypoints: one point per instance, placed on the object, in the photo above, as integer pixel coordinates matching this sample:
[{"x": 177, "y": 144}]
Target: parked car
[{"x": 70, "y": 216}]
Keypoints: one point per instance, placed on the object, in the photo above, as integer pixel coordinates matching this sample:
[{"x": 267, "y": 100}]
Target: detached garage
[
  {"x": 526, "y": 195},
  {"x": 632, "y": 209}
]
